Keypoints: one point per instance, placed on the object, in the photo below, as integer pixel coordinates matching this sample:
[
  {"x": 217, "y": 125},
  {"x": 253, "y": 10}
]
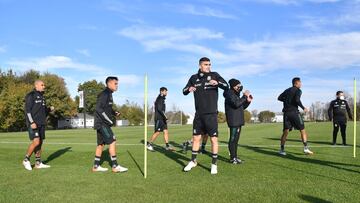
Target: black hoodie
[
  {"x": 234, "y": 108},
  {"x": 160, "y": 108},
  {"x": 104, "y": 114},
  {"x": 35, "y": 108},
  {"x": 206, "y": 95}
]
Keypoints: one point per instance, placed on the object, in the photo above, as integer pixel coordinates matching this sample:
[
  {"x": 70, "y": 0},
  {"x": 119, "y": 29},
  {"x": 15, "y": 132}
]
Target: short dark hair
[
  {"x": 339, "y": 92},
  {"x": 110, "y": 78},
  {"x": 163, "y": 89},
  {"x": 203, "y": 59},
  {"x": 294, "y": 80}
]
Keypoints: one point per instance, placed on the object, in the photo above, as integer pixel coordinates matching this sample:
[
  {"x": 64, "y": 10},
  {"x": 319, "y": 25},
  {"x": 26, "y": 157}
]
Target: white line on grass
[{"x": 124, "y": 144}]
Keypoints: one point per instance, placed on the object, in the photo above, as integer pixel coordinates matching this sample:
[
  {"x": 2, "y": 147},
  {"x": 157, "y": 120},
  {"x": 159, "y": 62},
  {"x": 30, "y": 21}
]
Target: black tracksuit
[
  {"x": 337, "y": 113},
  {"x": 234, "y": 110},
  {"x": 206, "y": 101},
  {"x": 104, "y": 113},
  {"x": 36, "y": 112}
]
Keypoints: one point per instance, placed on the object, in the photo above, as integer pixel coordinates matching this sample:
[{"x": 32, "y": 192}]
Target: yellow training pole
[
  {"x": 355, "y": 117},
  {"x": 145, "y": 123}
]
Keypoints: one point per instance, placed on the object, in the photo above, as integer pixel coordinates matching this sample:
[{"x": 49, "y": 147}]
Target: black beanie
[{"x": 233, "y": 82}]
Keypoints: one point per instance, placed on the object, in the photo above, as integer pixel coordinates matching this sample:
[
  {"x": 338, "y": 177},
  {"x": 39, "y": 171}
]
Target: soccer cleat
[
  {"x": 27, "y": 165},
  {"x": 308, "y": 152},
  {"x": 150, "y": 148},
  {"x": 190, "y": 165},
  {"x": 119, "y": 169},
  {"x": 236, "y": 161},
  {"x": 282, "y": 152},
  {"x": 99, "y": 169},
  {"x": 41, "y": 166},
  {"x": 214, "y": 170}
]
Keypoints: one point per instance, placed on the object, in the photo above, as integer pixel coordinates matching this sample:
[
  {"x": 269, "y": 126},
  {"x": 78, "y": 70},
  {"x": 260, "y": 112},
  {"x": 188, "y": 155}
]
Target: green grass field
[{"x": 331, "y": 175}]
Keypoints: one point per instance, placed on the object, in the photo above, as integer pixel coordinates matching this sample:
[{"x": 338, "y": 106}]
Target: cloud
[
  {"x": 84, "y": 52},
  {"x": 202, "y": 11},
  {"x": 52, "y": 63},
  {"x": 3, "y": 49}
]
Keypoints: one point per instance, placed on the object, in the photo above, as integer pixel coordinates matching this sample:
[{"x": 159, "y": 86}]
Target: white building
[
  {"x": 76, "y": 122},
  {"x": 279, "y": 117}
]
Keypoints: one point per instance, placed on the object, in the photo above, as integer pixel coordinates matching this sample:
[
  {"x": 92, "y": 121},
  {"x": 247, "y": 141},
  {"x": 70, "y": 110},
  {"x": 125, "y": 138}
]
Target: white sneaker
[
  {"x": 282, "y": 152},
  {"x": 150, "y": 148},
  {"x": 214, "y": 170},
  {"x": 27, "y": 165},
  {"x": 41, "y": 166},
  {"x": 308, "y": 152},
  {"x": 190, "y": 165},
  {"x": 100, "y": 169},
  {"x": 119, "y": 169}
]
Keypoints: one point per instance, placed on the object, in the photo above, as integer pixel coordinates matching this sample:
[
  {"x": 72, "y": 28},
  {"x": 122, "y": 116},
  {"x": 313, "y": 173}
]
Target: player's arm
[
  {"x": 235, "y": 101},
  {"x": 298, "y": 100},
  {"x": 222, "y": 82},
  {"x": 29, "y": 102},
  {"x": 282, "y": 97},
  {"x": 348, "y": 110},
  {"x": 100, "y": 108},
  {"x": 189, "y": 87},
  {"x": 330, "y": 111}
]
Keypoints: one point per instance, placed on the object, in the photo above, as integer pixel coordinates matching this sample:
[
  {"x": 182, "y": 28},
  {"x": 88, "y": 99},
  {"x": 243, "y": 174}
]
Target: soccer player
[
  {"x": 104, "y": 115},
  {"x": 36, "y": 113},
  {"x": 204, "y": 85},
  {"x": 292, "y": 118},
  {"x": 234, "y": 111},
  {"x": 337, "y": 113},
  {"x": 160, "y": 121}
]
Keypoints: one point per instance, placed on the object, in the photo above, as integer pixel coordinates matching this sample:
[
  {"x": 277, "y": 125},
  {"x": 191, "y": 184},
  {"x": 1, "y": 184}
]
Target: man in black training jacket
[
  {"x": 160, "y": 121},
  {"x": 234, "y": 110},
  {"x": 337, "y": 113},
  {"x": 204, "y": 84},
  {"x": 35, "y": 114},
  {"x": 104, "y": 116},
  {"x": 292, "y": 118}
]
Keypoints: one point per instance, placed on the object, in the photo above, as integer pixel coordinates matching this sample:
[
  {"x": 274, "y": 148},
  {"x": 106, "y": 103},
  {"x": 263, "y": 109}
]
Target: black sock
[
  {"x": 203, "y": 145},
  {"x": 167, "y": 144},
  {"x": 27, "y": 158},
  {"x": 282, "y": 147},
  {"x": 37, "y": 160},
  {"x": 96, "y": 161},
  {"x": 114, "y": 161},
  {"x": 193, "y": 155},
  {"x": 214, "y": 158},
  {"x": 305, "y": 143}
]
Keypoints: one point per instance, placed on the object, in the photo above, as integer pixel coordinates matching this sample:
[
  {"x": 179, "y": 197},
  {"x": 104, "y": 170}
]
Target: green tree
[
  {"x": 247, "y": 116},
  {"x": 266, "y": 116},
  {"x": 221, "y": 117},
  {"x": 91, "y": 89}
]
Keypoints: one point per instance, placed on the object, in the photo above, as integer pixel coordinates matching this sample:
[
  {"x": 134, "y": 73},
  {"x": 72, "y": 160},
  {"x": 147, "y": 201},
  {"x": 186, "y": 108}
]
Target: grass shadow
[
  {"x": 136, "y": 163},
  {"x": 312, "y": 199},
  {"x": 57, "y": 154}
]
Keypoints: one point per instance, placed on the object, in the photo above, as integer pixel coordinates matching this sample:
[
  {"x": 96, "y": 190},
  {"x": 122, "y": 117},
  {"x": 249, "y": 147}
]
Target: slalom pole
[
  {"x": 354, "y": 117},
  {"x": 145, "y": 123}
]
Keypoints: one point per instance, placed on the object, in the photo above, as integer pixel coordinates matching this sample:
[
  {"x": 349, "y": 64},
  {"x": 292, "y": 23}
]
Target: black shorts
[
  {"x": 160, "y": 126},
  {"x": 205, "y": 124},
  {"x": 293, "y": 120},
  {"x": 39, "y": 132},
  {"x": 105, "y": 135}
]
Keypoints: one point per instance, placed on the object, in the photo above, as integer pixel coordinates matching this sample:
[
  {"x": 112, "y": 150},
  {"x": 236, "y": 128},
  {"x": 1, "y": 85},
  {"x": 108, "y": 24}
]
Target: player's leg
[
  {"x": 149, "y": 145},
  {"x": 38, "y": 150},
  {"x": 195, "y": 150},
  {"x": 237, "y": 138},
  {"x": 231, "y": 144},
  {"x": 98, "y": 151},
  {"x": 35, "y": 141},
  {"x": 304, "y": 138},
  {"x": 166, "y": 139},
  {"x": 205, "y": 138},
  {"x": 335, "y": 132},
  {"x": 116, "y": 168},
  {"x": 343, "y": 133},
  {"x": 283, "y": 141}
]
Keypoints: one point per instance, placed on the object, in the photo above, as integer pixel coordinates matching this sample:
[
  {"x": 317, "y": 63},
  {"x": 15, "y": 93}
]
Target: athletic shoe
[
  {"x": 150, "y": 148},
  {"x": 41, "y": 166},
  {"x": 119, "y": 169},
  {"x": 27, "y": 165},
  {"x": 170, "y": 148},
  {"x": 236, "y": 161},
  {"x": 190, "y": 165},
  {"x": 214, "y": 170},
  {"x": 99, "y": 169},
  {"x": 308, "y": 152},
  {"x": 282, "y": 152}
]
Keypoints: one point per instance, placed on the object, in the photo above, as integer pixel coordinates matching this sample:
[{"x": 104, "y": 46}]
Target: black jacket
[
  {"x": 104, "y": 114},
  {"x": 234, "y": 108},
  {"x": 160, "y": 108},
  {"x": 35, "y": 108},
  {"x": 338, "y": 109},
  {"x": 206, "y": 95},
  {"x": 291, "y": 99}
]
